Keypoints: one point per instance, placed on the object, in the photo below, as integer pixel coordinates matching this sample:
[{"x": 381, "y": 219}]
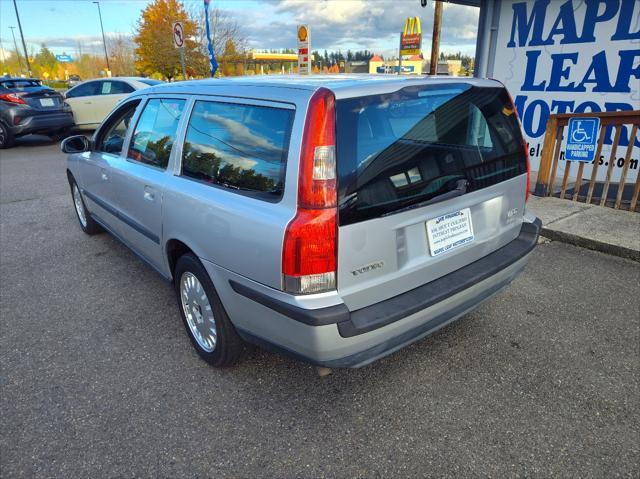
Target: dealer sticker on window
[{"x": 449, "y": 231}]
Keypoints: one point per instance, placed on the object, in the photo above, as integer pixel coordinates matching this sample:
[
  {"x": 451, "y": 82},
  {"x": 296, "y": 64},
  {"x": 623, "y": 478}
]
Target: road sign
[
  {"x": 582, "y": 138},
  {"x": 64, "y": 58},
  {"x": 178, "y": 35},
  {"x": 411, "y": 38},
  {"x": 304, "y": 50}
]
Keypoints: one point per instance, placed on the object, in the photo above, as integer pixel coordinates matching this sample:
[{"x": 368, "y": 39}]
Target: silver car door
[
  {"x": 97, "y": 169},
  {"x": 140, "y": 178}
]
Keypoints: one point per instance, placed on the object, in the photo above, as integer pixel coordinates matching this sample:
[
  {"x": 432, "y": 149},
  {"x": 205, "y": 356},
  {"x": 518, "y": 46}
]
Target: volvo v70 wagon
[{"x": 331, "y": 218}]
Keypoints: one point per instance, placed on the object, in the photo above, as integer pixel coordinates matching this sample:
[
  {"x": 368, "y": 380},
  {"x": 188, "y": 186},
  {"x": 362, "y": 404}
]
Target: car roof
[
  {"x": 116, "y": 78},
  {"x": 343, "y": 85},
  {"x": 3, "y": 79}
]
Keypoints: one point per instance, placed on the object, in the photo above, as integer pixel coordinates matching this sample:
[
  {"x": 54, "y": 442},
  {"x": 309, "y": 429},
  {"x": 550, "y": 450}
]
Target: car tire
[
  {"x": 87, "y": 223},
  {"x": 207, "y": 323},
  {"x": 6, "y": 137}
]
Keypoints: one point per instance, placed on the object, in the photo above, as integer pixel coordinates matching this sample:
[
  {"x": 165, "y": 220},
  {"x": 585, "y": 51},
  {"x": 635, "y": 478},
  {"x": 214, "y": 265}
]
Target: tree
[
  {"x": 45, "y": 62},
  {"x": 85, "y": 65},
  {"x": 121, "y": 56},
  {"x": 12, "y": 64},
  {"x": 155, "y": 51},
  {"x": 225, "y": 32}
]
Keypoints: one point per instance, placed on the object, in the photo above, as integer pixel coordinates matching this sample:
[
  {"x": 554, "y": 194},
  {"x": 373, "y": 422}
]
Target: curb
[{"x": 591, "y": 244}]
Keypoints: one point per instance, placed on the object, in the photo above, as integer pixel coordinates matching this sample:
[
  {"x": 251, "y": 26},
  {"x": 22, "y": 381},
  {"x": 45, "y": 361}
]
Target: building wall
[{"x": 561, "y": 57}]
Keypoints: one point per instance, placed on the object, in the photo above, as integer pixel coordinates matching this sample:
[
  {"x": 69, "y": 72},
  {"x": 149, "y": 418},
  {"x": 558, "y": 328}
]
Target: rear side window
[
  {"x": 239, "y": 147},
  {"x": 115, "y": 88},
  {"x": 422, "y": 145},
  {"x": 156, "y": 129}
]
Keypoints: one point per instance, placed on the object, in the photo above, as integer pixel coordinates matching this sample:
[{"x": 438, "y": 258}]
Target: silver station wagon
[{"x": 334, "y": 219}]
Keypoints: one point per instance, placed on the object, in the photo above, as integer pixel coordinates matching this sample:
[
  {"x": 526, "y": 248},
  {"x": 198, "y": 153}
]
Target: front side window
[
  {"x": 239, "y": 147},
  {"x": 111, "y": 136},
  {"x": 156, "y": 129},
  {"x": 86, "y": 89}
]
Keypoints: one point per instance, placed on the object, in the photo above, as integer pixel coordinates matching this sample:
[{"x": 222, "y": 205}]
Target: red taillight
[
  {"x": 12, "y": 98},
  {"x": 317, "y": 180},
  {"x": 310, "y": 243}
]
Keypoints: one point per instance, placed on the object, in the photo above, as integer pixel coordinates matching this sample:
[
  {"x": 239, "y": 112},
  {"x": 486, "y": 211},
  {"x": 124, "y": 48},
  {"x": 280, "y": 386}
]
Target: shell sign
[{"x": 303, "y": 50}]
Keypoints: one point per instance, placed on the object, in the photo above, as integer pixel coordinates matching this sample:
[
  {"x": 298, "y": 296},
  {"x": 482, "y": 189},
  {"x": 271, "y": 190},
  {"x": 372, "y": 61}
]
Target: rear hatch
[
  {"x": 35, "y": 95},
  {"x": 430, "y": 179}
]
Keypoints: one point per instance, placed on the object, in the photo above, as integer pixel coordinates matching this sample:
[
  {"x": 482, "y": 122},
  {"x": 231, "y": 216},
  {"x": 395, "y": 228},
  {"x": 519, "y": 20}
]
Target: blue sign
[
  {"x": 64, "y": 58},
  {"x": 394, "y": 69},
  {"x": 582, "y": 139}
]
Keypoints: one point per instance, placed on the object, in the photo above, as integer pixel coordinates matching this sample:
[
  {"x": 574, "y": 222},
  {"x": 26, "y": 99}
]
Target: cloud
[
  {"x": 70, "y": 44},
  {"x": 357, "y": 24},
  {"x": 241, "y": 134},
  {"x": 335, "y": 24}
]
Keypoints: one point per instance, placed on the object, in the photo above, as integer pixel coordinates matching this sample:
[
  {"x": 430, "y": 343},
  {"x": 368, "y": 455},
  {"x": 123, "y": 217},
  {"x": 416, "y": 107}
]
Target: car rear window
[
  {"x": 19, "y": 84},
  {"x": 422, "y": 145},
  {"x": 239, "y": 147}
]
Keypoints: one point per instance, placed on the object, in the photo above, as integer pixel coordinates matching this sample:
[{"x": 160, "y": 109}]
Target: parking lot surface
[{"x": 99, "y": 378}]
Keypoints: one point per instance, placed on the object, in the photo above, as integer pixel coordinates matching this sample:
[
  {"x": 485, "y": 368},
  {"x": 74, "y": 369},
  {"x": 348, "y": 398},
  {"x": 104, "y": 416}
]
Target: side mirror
[{"x": 75, "y": 144}]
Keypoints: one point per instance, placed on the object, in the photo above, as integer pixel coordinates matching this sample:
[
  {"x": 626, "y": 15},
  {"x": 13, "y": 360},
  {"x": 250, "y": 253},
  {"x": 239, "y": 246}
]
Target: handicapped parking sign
[{"x": 582, "y": 138}]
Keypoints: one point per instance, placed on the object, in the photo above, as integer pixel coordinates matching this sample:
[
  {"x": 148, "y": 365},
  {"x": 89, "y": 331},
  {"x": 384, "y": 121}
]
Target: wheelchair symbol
[{"x": 579, "y": 135}]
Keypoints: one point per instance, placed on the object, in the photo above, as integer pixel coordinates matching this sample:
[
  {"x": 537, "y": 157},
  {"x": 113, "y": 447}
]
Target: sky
[{"x": 334, "y": 24}]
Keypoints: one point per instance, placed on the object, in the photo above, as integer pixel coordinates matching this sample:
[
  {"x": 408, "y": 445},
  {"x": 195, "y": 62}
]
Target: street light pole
[
  {"x": 104, "y": 42},
  {"x": 24, "y": 45},
  {"x": 15, "y": 45}
]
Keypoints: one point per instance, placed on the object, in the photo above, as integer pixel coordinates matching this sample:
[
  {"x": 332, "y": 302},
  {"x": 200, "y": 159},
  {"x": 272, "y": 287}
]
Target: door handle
[
  {"x": 149, "y": 194},
  {"x": 87, "y": 103},
  {"x": 104, "y": 175}
]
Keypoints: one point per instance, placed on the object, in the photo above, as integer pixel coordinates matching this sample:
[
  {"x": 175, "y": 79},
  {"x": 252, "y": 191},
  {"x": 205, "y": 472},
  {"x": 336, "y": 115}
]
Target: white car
[{"x": 91, "y": 101}]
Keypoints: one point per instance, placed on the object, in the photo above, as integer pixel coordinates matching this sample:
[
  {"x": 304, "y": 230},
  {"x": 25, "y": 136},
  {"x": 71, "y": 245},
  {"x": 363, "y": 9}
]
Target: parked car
[
  {"x": 305, "y": 215},
  {"x": 92, "y": 100},
  {"x": 74, "y": 80},
  {"x": 26, "y": 106}
]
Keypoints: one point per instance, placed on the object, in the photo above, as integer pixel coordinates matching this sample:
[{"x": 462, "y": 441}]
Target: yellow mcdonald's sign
[
  {"x": 412, "y": 26},
  {"x": 411, "y": 38}
]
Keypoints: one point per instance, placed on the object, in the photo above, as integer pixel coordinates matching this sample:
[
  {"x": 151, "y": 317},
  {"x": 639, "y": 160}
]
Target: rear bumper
[
  {"x": 333, "y": 336},
  {"x": 43, "y": 123}
]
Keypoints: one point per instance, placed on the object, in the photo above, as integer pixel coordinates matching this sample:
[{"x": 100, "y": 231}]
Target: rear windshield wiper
[{"x": 459, "y": 190}]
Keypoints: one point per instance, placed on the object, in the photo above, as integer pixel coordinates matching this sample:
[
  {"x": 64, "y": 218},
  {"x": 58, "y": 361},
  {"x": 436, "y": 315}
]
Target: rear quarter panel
[{"x": 241, "y": 234}]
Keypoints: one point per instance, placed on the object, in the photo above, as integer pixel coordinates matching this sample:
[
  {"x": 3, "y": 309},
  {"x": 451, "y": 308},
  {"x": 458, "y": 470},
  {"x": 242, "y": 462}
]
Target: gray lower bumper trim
[{"x": 391, "y": 345}]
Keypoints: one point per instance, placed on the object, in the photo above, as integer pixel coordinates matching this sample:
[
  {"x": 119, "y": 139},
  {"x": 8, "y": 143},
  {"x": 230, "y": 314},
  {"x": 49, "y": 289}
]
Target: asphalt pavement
[{"x": 98, "y": 378}]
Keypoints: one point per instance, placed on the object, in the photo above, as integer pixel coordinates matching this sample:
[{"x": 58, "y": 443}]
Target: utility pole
[
  {"x": 24, "y": 45},
  {"x": 15, "y": 45},
  {"x": 104, "y": 42},
  {"x": 435, "y": 39},
  {"x": 400, "y": 56}
]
